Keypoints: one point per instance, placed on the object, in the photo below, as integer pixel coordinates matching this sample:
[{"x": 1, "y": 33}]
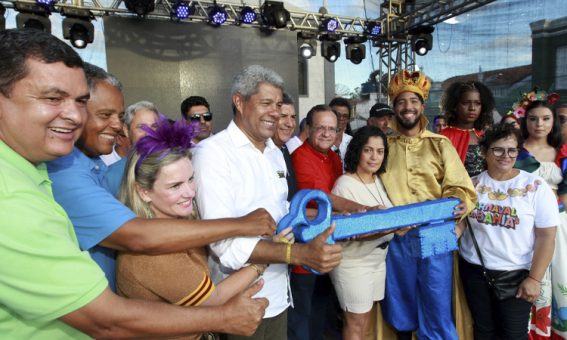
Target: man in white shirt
[
  {"x": 343, "y": 109},
  {"x": 241, "y": 169}
]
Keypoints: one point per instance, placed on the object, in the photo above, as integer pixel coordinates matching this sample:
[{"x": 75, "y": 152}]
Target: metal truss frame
[{"x": 397, "y": 18}]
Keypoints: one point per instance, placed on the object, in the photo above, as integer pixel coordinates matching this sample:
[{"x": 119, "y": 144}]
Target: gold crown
[{"x": 406, "y": 81}]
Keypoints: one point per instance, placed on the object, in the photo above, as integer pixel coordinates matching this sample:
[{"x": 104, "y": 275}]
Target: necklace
[{"x": 381, "y": 201}]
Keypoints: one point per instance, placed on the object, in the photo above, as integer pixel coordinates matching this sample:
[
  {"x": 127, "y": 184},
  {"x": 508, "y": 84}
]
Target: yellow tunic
[{"x": 425, "y": 167}]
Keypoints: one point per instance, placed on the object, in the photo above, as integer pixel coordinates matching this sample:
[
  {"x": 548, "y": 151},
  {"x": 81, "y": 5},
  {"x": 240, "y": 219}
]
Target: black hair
[
  {"x": 287, "y": 100},
  {"x": 554, "y": 137},
  {"x": 314, "y": 110},
  {"x": 453, "y": 95},
  {"x": 356, "y": 145},
  {"x": 340, "y": 101},
  {"x": 499, "y": 131},
  {"x": 189, "y": 102},
  {"x": 16, "y": 46}
]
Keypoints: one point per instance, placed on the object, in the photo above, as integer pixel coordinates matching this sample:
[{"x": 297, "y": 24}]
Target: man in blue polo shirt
[
  {"x": 49, "y": 288},
  {"x": 102, "y": 223}
]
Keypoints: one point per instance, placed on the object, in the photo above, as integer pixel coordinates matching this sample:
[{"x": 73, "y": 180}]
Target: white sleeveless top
[{"x": 551, "y": 173}]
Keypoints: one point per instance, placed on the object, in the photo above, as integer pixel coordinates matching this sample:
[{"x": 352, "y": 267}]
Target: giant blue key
[{"x": 435, "y": 233}]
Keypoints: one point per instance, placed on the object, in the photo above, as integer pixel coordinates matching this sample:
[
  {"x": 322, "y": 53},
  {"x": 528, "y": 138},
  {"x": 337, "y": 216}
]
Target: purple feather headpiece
[{"x": 166, "y": 137}]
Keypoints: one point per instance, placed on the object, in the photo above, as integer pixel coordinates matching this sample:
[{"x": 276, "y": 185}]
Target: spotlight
[
  {"x": 422, "y": 40},
  {"x": 373, "y": 29},
  {"x": 140, "y": 7},
  {"x": 46, "y": 3},
  {"x": 247, "y": 15},
  {"x": 217, "y": 15},
  {"x": 330, "y": 48},
  {"x": 307, "y": 45},
  {"x": 32, "y": 16},
  {"x": 2, "y": 19},
  {"x": 355, "y": 49},
  {"x": 274, "y": 14},
  {"x": 180, "y": 11},
  {"x": 79, "y": 31},
  {"x": 329, "y": 25},
  {"x": 77, "y": 26}
]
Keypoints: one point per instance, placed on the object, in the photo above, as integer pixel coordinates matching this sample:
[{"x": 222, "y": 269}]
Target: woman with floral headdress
[
  {"x": 158, "y": 183},
  {"x": 468, "y": 106},
  {"x": 542, "y": 154}
]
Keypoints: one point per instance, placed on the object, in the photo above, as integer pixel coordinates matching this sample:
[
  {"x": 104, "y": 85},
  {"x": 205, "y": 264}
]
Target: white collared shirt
[
  {"x": 343, "y": 146},
  {"x": 293, "y": 143},
  {"x": 233, "y": 179}
]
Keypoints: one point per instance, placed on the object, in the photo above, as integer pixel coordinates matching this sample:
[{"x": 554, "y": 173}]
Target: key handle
[{"x": 305, "y": 229}]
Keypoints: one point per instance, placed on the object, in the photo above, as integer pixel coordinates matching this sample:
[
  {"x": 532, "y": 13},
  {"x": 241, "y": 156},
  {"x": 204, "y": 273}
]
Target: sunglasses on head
[{"x": 207, "y": 116}]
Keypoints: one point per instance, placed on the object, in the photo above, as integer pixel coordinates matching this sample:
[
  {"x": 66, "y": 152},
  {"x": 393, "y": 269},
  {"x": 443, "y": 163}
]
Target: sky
[{"x": 494, "y": 36}]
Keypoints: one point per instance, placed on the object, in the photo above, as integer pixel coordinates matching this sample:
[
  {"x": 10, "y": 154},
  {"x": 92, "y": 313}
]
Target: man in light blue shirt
[{"x": 102, "y": 223}]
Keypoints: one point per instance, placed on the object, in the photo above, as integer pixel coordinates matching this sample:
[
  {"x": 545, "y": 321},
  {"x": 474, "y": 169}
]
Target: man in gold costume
[{"x": 422, "y": 166}]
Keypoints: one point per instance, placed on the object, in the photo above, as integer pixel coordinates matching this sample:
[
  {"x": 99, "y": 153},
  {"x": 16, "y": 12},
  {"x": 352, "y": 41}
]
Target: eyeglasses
[
  {"x": 511, "y": 152},
  {"x": 562, "y": 120},
  {"x": 207, "y": 116},
  {"x": 329, "y": 129}
]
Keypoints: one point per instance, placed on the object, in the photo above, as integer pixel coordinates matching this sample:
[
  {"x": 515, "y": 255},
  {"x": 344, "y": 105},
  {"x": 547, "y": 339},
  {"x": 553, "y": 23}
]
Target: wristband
[
  {"x": 288, "y": 253},
  {"x": 287, "y": 250},
  {"x": 533, "y": 278}
]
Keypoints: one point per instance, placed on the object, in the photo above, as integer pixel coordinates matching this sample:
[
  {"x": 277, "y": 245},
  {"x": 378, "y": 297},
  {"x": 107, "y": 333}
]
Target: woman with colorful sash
[{"x": 543, "y": 154}]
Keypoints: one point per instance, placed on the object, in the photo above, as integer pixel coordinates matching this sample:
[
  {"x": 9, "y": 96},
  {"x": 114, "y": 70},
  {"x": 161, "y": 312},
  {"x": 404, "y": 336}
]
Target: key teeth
[{"x": 433, "y": 240}]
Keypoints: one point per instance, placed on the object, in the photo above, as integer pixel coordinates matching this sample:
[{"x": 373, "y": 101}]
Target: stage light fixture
[
  {"x": 217, "y": 15},
  {"x": 355, "y": 49},
  {"x": 330, "y": 48},
  {"x": 307, "y": 45},
  {"x": 140, "y": 7},
  {"x": 373, "y": 29},
  {"x": 46, "y": 3},
  {"x": 248, "y": 15},
  {"x": 274, "y": 14},
  {"x": 180, "y": 11},
  {"x": 2, "y": 19},
  {"x": 421, "y": 40},
  {"x": 32, "y": 16},
  {"x": 77, "y": 26},
  {"x": 329, "y": 25}
]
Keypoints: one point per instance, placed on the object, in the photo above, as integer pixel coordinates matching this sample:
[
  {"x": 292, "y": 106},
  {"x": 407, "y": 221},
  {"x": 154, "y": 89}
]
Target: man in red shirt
[{"x": 316, "y": 166}]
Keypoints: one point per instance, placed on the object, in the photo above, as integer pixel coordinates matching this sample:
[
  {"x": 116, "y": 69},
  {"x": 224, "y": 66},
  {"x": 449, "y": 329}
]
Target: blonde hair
[{"x": 144, "y": 175}]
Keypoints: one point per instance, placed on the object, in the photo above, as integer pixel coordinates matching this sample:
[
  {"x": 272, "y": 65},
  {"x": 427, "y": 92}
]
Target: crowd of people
[{"x": 120, "y": 222}]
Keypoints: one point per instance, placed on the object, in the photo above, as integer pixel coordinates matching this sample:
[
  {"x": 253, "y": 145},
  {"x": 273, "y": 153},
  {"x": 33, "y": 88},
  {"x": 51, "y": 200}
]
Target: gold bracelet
[
  {"x": 287, "y": 250},
  {"x": 257, "y": 268}
]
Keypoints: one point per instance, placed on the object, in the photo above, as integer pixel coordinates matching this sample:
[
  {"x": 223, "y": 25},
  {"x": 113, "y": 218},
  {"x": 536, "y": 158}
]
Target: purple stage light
[{"x": 247, "y": 15}]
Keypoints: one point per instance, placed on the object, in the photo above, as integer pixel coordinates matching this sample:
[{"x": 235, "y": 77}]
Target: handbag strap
[{"x": 469, "y": 227}]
